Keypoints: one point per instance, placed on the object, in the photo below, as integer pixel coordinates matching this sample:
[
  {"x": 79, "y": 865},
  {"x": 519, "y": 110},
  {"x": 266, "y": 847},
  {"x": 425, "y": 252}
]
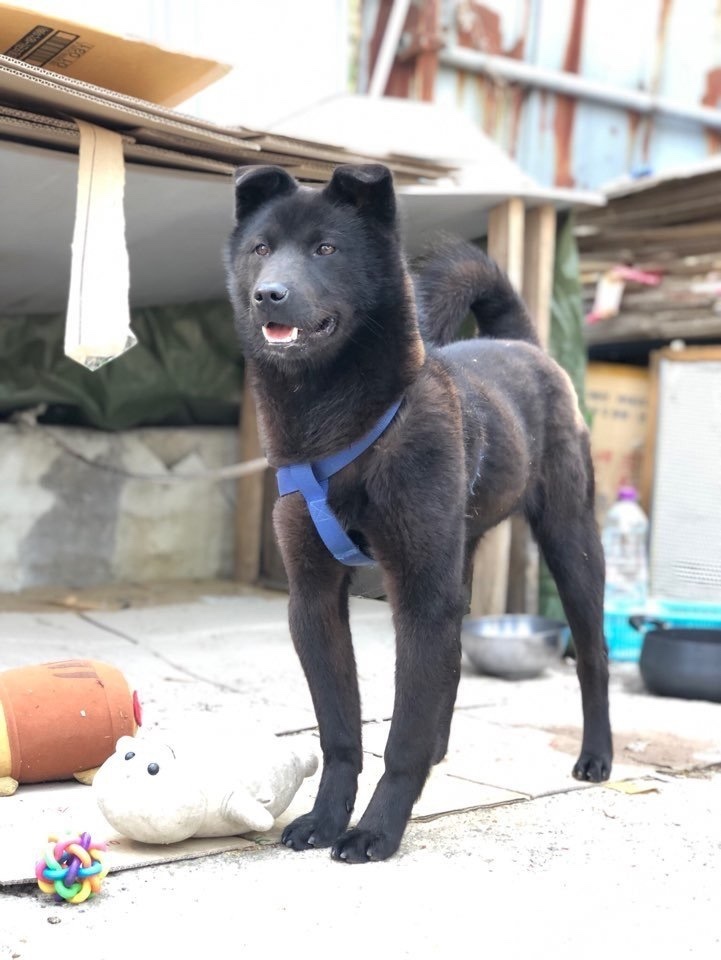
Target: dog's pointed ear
[
  {"x": 368, "y": 187},
  {"x": 255, "y": 186}
]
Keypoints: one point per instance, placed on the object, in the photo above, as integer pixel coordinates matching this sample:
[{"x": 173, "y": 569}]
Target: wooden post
[
  {"x": 505, "y": 238},
  {"x": 489, "y": 586},
  {"x": 249, "y": 505},
  {"x": 538, "y": 260}
]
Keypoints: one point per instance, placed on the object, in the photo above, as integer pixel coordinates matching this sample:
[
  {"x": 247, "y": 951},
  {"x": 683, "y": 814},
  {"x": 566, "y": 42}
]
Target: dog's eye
[
  {"x": 325, "y": 249},
  {"x": 153, "y": 768},
  {"x": 129, "y": 755},
  {"x": 262, "y": 249}
]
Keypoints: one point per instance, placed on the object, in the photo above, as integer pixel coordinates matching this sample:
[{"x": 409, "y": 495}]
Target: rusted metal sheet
[
  {"x": 415, "y": 69},
  {"x": 566, "y": 106},
  {"x": 478, "y": 27},
  {"x": 669, "y": 49},
  {"x": 712, "y": 98}
]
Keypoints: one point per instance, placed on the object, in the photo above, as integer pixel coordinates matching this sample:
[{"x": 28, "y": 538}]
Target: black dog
[{"x": 334, "y": 335}]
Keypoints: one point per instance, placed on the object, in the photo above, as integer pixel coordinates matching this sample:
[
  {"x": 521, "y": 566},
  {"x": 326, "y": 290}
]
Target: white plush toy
[{"x": 156, "y": 793}]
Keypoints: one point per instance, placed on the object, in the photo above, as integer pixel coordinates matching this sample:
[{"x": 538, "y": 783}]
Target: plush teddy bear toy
[{"x": 151, "y": 791}]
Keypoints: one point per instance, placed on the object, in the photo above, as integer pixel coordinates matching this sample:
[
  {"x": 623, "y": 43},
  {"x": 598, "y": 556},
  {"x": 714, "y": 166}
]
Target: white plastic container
[{"x": 625, "y": 543}]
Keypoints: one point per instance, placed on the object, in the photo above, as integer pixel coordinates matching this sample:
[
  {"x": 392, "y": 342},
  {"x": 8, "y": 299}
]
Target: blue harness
[{"x": 311, "y": 479}]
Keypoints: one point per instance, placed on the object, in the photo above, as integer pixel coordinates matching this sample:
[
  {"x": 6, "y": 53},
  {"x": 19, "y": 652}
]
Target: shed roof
[{"x": 178, "y": 199}]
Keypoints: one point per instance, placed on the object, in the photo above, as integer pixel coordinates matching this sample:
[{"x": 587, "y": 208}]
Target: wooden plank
[
  {"x": 538, "y": 258},
  {"x": 489, "y": 585},
  {"x": 249, "y": 504},
  {"x": 539, "y": 251},
  {"x": 677, "y": 203},
  {"x": 663, "y": 325},
  {"x": 672, "y": 235}
]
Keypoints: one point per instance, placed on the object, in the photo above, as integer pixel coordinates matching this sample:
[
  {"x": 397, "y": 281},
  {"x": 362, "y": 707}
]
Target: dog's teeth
[{"x": 273, "y": 335}]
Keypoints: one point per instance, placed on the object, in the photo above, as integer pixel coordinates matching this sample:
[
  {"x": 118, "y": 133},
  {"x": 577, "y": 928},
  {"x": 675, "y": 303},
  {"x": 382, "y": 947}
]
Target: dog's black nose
[{"x": 270, "y": 293}]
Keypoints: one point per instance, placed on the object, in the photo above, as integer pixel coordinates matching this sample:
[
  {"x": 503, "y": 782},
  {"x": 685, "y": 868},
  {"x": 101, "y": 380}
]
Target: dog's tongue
[{"x": 277, "y": 333}]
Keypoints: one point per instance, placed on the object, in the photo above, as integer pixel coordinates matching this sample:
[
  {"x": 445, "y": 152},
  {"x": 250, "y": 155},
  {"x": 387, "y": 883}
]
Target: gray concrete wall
[{"x": 65, "y": 522}]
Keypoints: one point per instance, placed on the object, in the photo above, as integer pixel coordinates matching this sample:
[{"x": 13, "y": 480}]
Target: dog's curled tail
[{"x": 455, "y": 278}]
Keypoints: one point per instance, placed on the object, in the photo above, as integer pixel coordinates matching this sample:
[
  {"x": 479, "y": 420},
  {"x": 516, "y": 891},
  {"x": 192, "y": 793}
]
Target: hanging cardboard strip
[{"x": 97, "y": 327}]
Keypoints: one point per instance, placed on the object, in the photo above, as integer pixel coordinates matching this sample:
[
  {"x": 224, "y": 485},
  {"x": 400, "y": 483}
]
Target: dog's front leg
[
  {"x": 427, "y": 613},
  {"x": 319, "y": 626}
]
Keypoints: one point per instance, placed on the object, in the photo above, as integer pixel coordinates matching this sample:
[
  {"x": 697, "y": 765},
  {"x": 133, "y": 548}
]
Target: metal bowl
[{"x": 513, "y": 646}]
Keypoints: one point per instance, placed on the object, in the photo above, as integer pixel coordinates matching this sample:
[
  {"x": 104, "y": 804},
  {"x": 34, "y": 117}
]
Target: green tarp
[{"x": 185, "y": 369}]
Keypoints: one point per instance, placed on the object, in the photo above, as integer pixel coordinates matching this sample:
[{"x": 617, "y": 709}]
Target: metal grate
[{"x": 685, "y": 536}]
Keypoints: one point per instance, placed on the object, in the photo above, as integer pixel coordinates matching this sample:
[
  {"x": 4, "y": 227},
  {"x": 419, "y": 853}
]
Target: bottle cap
[{"x": 627, "y": 493}]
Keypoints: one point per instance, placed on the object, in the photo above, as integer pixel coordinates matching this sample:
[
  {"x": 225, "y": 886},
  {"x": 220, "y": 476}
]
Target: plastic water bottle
[{"x": 624, "y": 536}]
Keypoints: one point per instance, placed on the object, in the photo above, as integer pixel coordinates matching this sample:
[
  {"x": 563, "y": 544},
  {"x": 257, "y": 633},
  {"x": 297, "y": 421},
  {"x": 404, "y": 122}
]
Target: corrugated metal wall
[{"x": 670, "y": 49}]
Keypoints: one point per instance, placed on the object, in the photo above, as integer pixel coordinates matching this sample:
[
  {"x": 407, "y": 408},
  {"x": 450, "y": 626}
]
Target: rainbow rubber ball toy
[{"x": 73, "y": 868}]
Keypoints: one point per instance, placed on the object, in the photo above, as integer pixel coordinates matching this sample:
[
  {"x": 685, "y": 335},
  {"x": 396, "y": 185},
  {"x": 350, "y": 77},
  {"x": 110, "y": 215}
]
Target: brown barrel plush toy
[{"x": 61, "y": 720}]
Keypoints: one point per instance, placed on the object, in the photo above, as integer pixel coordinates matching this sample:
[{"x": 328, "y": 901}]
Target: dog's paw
[
  {"x": 595, "y": 767},
  {"x": 360, "y": 846},
  {"x": 311, "y": 832}
]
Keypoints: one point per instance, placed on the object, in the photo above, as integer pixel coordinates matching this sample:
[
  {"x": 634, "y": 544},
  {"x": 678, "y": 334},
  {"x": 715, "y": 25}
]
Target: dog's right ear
[{"x": 255, "y": 186}]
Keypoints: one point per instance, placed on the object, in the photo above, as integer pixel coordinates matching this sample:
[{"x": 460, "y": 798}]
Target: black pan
[{"x": 680, "y": 662}]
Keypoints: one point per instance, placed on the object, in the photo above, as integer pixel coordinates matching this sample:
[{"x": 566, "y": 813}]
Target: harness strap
[{"x": 311, "y": 480}]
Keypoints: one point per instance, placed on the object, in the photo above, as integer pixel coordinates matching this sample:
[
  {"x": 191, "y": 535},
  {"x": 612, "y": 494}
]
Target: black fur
[
  {"x": 488, "y": 427},
  {"x": 454, "y": 278}
]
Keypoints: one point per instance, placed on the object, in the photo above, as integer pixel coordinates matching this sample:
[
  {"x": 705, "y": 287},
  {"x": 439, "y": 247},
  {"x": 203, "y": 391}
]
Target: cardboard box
[
  {"x": 133, "y": 67},
  {"x": 617, "y": 397}
]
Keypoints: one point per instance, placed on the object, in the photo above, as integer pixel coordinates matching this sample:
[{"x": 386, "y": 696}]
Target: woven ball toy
[{"x": 73, "y": 869}]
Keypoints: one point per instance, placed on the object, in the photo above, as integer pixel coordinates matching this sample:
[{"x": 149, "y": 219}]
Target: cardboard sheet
[
  {"x": 31, "y": 88},
  {"x": 133, "y": 67},
  {"x": 35, "y": 812},
  {"x": 617, "y": 397}
]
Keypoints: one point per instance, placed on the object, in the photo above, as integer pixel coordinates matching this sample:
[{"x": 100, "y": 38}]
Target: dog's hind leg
[
  {"x": 565, "y": 527},
  {"x": 319, "y": 626}
]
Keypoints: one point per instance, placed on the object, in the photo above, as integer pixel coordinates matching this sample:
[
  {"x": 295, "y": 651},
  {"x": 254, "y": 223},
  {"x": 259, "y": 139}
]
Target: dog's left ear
[{"x": 368, "y": 187}]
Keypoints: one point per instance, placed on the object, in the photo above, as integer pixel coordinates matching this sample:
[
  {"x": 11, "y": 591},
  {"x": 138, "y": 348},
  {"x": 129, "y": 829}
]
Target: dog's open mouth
[{"x": 278, "y": 333}]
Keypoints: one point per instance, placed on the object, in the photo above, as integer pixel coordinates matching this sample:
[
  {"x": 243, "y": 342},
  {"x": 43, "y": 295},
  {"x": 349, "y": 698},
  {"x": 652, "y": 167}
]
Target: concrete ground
[{"x": 507, "y": 856}]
